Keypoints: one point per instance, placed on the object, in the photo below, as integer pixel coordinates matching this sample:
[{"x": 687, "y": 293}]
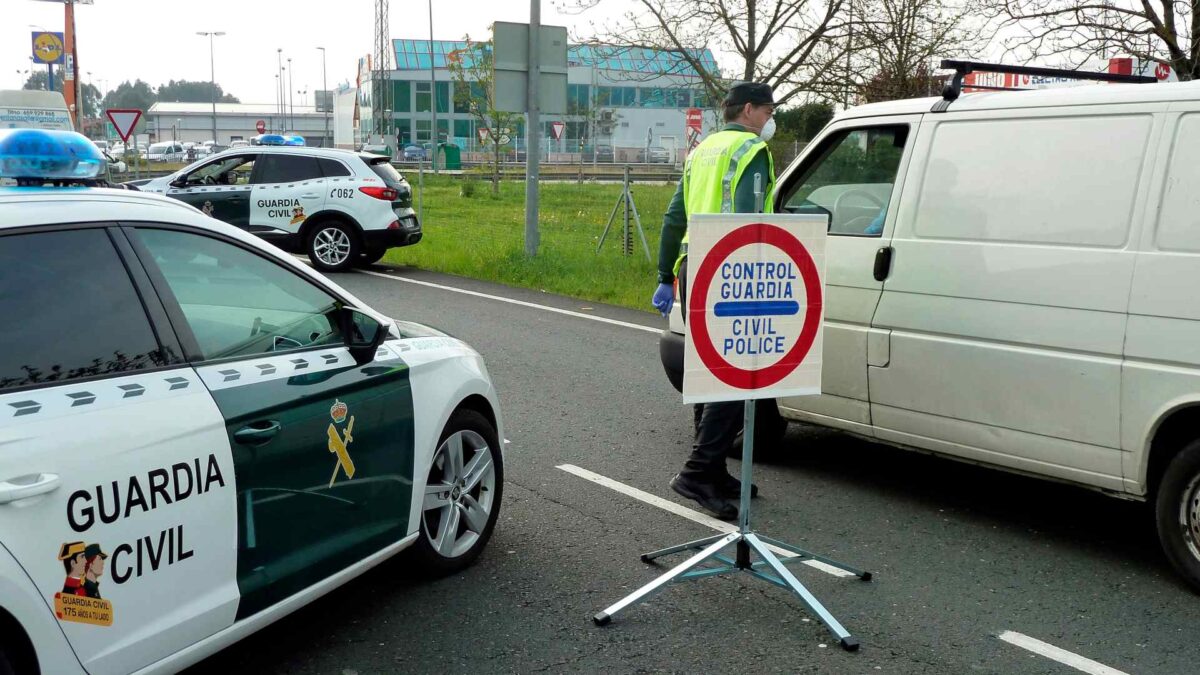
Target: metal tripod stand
[
  {"x": 625, "y": 202},
  {"x": 769, "y": 568}
]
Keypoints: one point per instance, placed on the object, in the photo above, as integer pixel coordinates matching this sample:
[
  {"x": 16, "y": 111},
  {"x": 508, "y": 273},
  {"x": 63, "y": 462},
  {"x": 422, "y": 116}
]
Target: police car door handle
[
  {"x": 309, "y": 195},
  {"x": 257, "y": 433},
  {"x": 28, "y": 486}
]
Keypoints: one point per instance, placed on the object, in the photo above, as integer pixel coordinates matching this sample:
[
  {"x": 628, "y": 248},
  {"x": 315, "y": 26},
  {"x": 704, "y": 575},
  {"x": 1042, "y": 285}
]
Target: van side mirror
[{"x": 363, "y": 334}]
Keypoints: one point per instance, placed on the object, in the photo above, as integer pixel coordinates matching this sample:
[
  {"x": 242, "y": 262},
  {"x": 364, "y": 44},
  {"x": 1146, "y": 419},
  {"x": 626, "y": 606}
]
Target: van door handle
[
  {"x": 28, "y": 486},
  {"x": 883, "y": 263},
  {"x": 257, "y": 433}
]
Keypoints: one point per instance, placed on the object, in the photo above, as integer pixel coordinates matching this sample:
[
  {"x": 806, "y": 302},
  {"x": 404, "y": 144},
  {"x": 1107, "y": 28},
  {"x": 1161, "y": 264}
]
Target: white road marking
[
  {"x": 498, "y": 298},
  {"x": 684, "y": 512},
  {"x": 1053, "y": 653}
]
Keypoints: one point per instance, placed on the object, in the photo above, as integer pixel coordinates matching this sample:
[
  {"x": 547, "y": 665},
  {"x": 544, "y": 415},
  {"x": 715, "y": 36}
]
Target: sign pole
[
  {"x": 785, "y": 253},
  {"x": 532, "y": 132}
]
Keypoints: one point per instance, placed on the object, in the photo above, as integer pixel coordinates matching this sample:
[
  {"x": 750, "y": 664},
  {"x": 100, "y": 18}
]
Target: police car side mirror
[
  {"x": 179, "y": 182},
  {"x": 363, "y": 334}
]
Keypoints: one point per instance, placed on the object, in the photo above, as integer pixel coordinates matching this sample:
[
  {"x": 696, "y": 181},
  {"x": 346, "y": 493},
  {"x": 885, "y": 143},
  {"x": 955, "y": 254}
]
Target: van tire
[
  {"x": 1177, "y": 513},
  {"x": 770, "y": 427},
  {"x": 333, "y": 245}
]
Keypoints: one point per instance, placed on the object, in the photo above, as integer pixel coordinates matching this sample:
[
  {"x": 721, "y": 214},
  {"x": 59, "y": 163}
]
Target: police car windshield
[{"x": 384, "y": 169}]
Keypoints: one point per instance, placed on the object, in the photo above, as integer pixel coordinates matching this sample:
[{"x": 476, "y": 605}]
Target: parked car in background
[
  {"x": 413, "y": 153},
  {"x": 655, "y": 155},
  {"x": 167, "y": 151}
]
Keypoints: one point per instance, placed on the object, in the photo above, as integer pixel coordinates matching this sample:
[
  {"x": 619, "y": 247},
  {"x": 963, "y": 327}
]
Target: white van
[
  {"x": 1015, "y": 281},
  {"x": 166, "y": 151}
]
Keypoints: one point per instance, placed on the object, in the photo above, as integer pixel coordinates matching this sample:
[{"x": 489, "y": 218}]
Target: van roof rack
[{"x": 961, "y": 68}]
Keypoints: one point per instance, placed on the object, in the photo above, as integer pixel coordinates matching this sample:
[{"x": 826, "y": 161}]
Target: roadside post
[{"x": 755, "y": 309}]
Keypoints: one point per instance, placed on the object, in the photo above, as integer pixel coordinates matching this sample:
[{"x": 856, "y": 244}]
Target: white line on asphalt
[
  {"x": 683, "y": 511},
  {"x": 499, "y": 298},
  {"x": 1080, "y": 663}
]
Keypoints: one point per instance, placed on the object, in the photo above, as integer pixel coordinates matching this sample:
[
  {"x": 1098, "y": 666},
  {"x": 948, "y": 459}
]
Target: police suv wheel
[
  {"x": 1177, "y": 511},
  {"x": 6, "y": 667},
  {"x": 333, "y": 246},
  {"x": 462, "y": 495}
]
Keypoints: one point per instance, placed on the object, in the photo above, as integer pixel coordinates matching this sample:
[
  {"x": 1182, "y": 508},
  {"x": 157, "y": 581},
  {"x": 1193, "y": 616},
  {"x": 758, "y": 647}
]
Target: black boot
[{"x": 706, "y": 494}]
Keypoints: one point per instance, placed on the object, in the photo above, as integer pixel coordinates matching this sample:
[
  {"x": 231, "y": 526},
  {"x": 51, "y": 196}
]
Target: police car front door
[
  {"x": 116, "y": 477},
  {"x": 220, "y": 188},
  {"x": 288, "y": 188},
  {"x": 322, "y": 446}
]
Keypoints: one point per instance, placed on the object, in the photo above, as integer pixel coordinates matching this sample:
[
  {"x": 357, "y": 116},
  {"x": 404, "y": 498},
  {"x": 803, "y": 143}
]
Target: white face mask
[{"x": 768, "y": 130}]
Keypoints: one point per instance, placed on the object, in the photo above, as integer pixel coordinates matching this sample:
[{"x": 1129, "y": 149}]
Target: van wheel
[
  {"x": 769, "y": 429},
  {"x": 462, "y": 495},
  {"x": 333, "y": 246},
  {"x": 371, "y": 256},
  {"x": 1177, "y": 511}
]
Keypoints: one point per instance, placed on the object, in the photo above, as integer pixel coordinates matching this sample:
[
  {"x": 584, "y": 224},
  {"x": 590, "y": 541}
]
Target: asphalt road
[{"x": 960, "y": 554}]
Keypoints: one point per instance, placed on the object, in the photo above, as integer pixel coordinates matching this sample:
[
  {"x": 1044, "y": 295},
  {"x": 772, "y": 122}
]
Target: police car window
[
  {"x": 70, "y": 311},
  {"x": 237, "y": 303},
  {"x": 228, "y": 171},
  {"x": 332, "y": 168},
  {"x": 850, "y": 179},
  {"x": 280, "y": 168}
]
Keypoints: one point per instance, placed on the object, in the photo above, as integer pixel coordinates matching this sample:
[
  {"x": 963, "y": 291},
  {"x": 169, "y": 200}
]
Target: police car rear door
[
  {"x": 116, "y": 479},
  {"x": 322, "y": 445},
  {"x": 288, "y": 188}
]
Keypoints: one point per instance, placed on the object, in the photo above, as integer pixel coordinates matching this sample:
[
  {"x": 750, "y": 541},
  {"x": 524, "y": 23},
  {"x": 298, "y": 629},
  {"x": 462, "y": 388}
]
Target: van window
[
  {"x": 1179, "y": 217},
  {"x": 850, "y": 178},
  {"x": 1064, "y": 180}
]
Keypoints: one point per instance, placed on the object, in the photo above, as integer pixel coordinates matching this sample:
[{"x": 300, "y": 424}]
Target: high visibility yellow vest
[{"x": 713, "y": 171}]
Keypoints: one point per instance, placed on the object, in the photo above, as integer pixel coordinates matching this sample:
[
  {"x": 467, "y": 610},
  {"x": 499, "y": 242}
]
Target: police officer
[{"x": 717, "y": 178}]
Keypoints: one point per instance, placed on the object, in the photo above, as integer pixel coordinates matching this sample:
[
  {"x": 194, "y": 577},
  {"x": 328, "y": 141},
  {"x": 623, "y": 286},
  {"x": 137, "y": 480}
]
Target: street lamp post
[
  {"x": 291, "y": 99},
  {"x": 212, "y": 70},
  {"x": 279, "y": 82},
  {"x": 328, "y": 101}
]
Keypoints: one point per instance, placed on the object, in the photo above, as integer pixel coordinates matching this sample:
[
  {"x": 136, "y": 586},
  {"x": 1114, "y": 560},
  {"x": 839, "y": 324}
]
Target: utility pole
[
  {"x": 433, "y": 90},
  {"x": 533, "y": 131},
  {"x": 212, "y": 70},
  {"x": 328, "y": 98},
  {"x": 291, "y": 99},
  {"x": 279, "y": 87}
]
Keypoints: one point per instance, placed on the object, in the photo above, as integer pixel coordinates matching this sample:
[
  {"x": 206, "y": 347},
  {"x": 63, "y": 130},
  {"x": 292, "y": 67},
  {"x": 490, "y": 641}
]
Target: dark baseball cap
[{"x": 757, "y": 93}]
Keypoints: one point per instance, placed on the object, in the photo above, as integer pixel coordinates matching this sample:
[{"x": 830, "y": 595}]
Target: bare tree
[
  {"x": 1159, "y": 31},
  {"x": 900, "y": 42},
  {"x": 474, "y": 88},
  {"x": 793, "y": 45}
]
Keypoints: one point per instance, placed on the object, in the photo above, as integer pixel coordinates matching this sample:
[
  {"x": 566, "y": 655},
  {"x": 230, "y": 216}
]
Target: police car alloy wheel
[
  {"x": 462, "y": 495},
  {"x": 333, "y": 246},
  {"x": 1177, "y": 512}
]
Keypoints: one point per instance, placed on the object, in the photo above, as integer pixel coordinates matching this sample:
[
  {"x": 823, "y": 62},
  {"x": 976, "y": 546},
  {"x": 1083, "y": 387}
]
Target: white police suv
[
  {"x": 342, "y": 208},
  {"x": 198, "y": 433}
]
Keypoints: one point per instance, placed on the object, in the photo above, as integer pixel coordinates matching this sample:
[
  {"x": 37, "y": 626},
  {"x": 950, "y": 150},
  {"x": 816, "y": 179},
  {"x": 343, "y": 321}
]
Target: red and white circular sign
[
  {"x": 260, "y": 126},
  {"x": 755, "y": 306}
]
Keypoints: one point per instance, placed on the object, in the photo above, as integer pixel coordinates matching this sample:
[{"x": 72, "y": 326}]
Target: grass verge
[{"x": 483, "y": 237}]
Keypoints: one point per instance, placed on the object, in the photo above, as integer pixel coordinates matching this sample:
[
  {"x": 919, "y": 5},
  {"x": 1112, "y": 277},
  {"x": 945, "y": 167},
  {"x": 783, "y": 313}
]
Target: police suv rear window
[
  {"x": 332, "y": 168},
  {"x": 382, "y": 168},
  {"x": 71, "y": 311},
  {"x": 280, "y": 168}
]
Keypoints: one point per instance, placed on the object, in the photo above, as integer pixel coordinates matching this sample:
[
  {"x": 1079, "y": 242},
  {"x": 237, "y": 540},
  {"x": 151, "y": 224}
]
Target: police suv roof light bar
[
  {"x": 961, "y": 68},
  {"x": 33, "y": 157}
]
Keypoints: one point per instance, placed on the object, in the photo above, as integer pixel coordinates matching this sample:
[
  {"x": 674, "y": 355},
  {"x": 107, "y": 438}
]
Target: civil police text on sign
[{"x": 754, "y": 307}]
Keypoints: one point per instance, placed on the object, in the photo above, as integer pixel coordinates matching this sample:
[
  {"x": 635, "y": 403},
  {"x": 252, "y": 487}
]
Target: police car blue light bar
[
  {"x": 40, "y": 154},
  {"x": 277, "y": 139}
]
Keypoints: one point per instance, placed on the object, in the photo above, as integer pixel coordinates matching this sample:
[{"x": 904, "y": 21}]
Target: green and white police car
[
  {"x": 342, "y": 208},
  {"x": 200, "y": 434}
]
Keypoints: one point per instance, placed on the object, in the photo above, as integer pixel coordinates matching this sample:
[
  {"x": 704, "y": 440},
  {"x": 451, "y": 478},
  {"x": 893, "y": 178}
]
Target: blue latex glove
[{"x": 664, "y": 297}]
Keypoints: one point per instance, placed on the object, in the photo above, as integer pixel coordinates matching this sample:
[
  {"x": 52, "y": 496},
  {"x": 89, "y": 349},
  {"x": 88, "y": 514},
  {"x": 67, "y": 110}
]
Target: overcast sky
[{"x": 156, "y": 40}]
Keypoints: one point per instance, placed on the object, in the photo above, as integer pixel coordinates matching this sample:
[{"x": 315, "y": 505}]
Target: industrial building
[
  {"x": 170, "y": 121},
  {"x": 620, "y": 101}
]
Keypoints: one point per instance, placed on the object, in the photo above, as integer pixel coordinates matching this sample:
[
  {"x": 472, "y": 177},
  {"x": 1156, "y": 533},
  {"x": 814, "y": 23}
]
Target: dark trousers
[{"x": 716, "y": 423}]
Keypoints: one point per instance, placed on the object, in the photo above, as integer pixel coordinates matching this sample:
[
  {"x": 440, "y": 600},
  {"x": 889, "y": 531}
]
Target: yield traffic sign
[
  {"x": 556, "y": 129},
  {"x": 123, "y": 121}
]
